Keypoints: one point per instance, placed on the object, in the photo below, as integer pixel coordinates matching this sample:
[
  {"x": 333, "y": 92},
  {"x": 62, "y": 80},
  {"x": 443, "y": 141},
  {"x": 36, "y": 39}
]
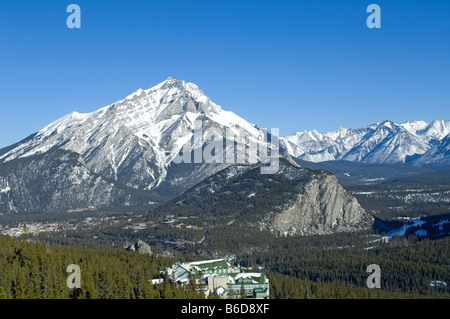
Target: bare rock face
[
  {"x": 324, "y": 207},
  {"x": 135, "y": 140},
  {"x": 56, "y": 182},
  {"x": 293, "y": 201},
  {"x": 140, "y": 246}
]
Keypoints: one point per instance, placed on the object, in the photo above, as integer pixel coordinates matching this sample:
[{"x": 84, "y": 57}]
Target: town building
[{"x": 222, "y": 277}]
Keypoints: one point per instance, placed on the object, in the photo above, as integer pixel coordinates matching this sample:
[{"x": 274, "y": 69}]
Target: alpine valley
[{"x": 337, "y": 202}]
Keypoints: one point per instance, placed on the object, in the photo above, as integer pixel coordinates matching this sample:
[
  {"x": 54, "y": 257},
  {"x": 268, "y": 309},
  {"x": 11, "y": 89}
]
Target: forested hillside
[
  {"x": 408, "y": 270},
  {"x": 36, "y": 271}
]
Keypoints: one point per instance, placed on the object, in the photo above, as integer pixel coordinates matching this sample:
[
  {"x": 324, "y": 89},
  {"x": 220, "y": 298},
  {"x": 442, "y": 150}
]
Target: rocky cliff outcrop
[
  {"x": 323, "y": 207},
  {"x": 140, "y": 246},
  {"x": 293, "y": 201}
]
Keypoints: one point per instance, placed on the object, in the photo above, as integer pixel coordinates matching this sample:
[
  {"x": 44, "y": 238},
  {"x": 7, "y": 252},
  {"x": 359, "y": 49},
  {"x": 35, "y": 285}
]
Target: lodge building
[{"x": 222, "y": 277}]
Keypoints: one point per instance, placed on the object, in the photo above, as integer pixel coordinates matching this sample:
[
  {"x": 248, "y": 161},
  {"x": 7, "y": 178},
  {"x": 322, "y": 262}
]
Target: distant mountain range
[
  {"x": 416, "y": 142},
  {"x": 127, "y": 153}
]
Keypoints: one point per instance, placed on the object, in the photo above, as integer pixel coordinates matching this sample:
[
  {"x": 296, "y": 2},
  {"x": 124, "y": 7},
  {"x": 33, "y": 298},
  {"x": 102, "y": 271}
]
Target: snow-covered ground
[
  {"x": 402, "y": 230},
  {"x": 383, "y": 142}
]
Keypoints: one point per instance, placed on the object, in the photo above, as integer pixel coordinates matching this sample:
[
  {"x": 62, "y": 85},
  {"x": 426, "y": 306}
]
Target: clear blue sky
[{"x": 294, "y": 65}]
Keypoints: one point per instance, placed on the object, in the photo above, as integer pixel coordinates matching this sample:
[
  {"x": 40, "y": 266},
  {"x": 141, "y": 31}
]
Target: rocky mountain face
[
  {"x": 137, "y": 140},
  {"x": 324, "y": 207},
  {"x": 167, "y": 138},
  {"x": 382, "y": 143},
  {"x": 293, "y": 201},
  {"x": 57, "y": 182},
  {"x": 438, "y": 154},
  {"x": 157, "y": 143}
]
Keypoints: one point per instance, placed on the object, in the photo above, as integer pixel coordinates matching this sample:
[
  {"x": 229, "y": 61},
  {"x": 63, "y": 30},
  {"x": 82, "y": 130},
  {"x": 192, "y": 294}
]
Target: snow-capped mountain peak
[
  {"x": 437, "y": 129},
  {"x": 413, "y": 126},
  {"x": 383, "y": 142},
  {"x": 134, "y": 140}
]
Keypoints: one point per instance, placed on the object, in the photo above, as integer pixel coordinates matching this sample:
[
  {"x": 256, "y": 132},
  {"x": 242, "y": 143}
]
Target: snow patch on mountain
[
  {"x": 383, "y": 142},
  {"x": 136, "y": 139}
]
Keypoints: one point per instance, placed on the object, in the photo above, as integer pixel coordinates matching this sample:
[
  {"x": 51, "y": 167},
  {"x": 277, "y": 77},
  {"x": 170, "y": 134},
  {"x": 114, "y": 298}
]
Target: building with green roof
[{"x": 222, "y": 277}]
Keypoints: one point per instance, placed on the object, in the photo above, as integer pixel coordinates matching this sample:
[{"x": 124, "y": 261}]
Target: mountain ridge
[
  {"x": 144, "y": 132},
  {"x": 138, "y": 141},
  {"x": 293, "y": 201},
  {"x": 383, "y": 142}
]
